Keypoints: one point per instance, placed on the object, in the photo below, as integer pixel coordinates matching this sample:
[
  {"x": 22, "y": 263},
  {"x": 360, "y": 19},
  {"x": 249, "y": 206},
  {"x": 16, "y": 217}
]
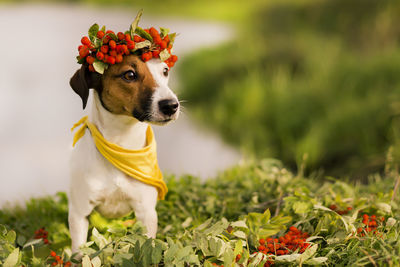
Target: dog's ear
[{"x": 83, "y": 80}]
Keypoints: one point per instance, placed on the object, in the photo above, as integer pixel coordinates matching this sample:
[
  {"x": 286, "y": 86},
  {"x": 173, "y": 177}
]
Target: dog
[{"x": 126, "y": 98}]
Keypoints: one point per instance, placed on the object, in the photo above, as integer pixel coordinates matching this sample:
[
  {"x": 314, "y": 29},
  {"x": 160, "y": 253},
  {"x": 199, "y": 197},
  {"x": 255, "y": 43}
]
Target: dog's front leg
[
  {"x": 78, "y": 227},
  {"x": 146, "y": 213}
]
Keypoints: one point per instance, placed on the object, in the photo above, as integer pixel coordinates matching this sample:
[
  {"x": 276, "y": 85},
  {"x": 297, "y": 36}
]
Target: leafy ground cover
[{"x": 256, "y": 214}]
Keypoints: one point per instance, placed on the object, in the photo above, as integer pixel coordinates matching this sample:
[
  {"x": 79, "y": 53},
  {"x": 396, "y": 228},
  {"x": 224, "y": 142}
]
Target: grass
[{"x": 241, "y": 194}]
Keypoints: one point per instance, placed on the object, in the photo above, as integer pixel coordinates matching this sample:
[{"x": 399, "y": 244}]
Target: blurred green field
[{"x": 313, "y": 81}]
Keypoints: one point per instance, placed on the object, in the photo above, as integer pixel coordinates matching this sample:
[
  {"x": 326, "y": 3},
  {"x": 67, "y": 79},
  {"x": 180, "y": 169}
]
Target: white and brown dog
[{"x": 126, "y": 97}]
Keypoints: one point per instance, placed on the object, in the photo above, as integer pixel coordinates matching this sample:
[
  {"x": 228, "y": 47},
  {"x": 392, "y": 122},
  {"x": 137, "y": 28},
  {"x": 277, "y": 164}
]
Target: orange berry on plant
[
  {"x": 118, "y": 58},
  {"x": 120, "y": 36},
  {"x": 84, "y": 51},
  {"x": 85, "y": 41},
  {"x": 90, "y": 59},
  {"x": 104, "y": 49},
  {"x": 131, "y": 45},
  {"x": 112, "y": 44},
  {"x": 163, "y": 45},
  {"x": 100, "y": 34}
]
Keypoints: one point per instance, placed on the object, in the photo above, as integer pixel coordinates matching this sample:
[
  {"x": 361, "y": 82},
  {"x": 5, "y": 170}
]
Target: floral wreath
[{"x": 104, "y": 48}]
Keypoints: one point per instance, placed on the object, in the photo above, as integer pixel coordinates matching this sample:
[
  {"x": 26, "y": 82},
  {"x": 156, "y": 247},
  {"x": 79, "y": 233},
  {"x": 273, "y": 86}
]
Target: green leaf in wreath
[
  {"x": 163, "y": 32},
  {"x": 113, "y": 36},
  {"x": 99, "y": 66},
  {"x": 135, "y": 23},
  {"x": 164, "y": 55},
  {"x": 93, "y": 32},
  {"x": 172, "y": 38},
  {"x": 144, "y": 44},
  {"x": 142, "y": 33}
]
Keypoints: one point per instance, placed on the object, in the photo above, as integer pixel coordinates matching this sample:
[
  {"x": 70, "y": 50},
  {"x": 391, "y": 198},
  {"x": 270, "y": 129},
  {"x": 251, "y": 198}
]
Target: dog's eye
[
  {"x": 165, "y": 72},
  {"x": 129, "y": 76}
]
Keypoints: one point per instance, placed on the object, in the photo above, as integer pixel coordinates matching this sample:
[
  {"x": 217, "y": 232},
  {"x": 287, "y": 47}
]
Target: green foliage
[
  {"x": 212, "y": 222},
  {"x": 315, "y": 81}
]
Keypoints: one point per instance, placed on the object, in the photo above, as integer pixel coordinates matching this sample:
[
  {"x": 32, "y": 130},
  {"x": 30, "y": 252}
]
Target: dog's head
[{"x": 132, "y": 88}]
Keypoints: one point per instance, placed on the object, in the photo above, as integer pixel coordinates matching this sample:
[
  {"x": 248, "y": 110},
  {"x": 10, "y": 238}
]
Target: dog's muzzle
[{"x": 168, "y": 106}]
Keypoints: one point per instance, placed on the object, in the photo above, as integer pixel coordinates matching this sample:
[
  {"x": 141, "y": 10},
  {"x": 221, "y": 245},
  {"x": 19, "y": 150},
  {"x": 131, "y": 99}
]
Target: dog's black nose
[{"x": 168, "y": 106}]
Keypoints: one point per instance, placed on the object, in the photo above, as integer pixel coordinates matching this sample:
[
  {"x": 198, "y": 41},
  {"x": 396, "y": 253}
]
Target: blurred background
[{"x": 314, "y": 83}]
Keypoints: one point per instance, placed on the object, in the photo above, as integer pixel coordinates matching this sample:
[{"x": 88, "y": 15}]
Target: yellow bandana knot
[{"x": 139, "y": 164}]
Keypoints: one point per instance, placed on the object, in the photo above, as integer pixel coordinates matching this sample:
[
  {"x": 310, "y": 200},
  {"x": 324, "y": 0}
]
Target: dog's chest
[{"x": 111, "y": 192}]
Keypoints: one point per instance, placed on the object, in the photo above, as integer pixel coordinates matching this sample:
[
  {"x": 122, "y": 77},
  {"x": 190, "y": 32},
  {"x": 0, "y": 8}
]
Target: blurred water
[{"x": 38, "y": 108}]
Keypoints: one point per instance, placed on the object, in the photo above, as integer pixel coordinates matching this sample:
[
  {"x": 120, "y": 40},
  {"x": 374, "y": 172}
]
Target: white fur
[
  {"x": 97, "y": 184},
  {"x": 162, "y": 92}
]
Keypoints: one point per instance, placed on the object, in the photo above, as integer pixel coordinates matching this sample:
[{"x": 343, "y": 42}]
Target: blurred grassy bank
[{"x": 308, "y": 80}]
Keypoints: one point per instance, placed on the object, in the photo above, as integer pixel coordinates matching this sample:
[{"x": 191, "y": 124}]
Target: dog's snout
[{"x": 168, "y": 106}]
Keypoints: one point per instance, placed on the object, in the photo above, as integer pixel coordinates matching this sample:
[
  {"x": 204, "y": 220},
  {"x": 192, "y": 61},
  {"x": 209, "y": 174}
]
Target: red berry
[
  {"x": 118, "y": 58},
  {"x": 113, "y": 53},
  {"x": 127, "y": 37},
  {"x": 238, "y": 256},
  {"x": 262, "y": 241},
  {"x": 104, "y": 49},
  {"x": 157, "y": 39},
  {"x": 373, "y": 217},
  {"x": 163, "y": 45},
  {"x": 349, "y": 208},
  {"x": 118, "y": 49},
  {"x": 136, "y": 38},
  {"x": 174, "y": 58},
  {"x": 90, "y": 59},
  {"x": 333, "y": 207},
  {"x": 156, "y": 53},
  {"x": 261, "y": 247},
  {"x": 91, "y": 68},
  {"x": 54, "y": 263},
  {"x": 79, "y": 48},
  {"x": 112, "y": 44},
  {"x": 124, "y": 48},
  {"x": 53, "y": 254},
  {"x": 166, "y": 38},
  {"x": 120, "y": 36},
  {"x": 147, "y": 30},
  {"x": 111, "y": 60},
  {"x": 100, "y": 34},
  {"x": 99, "y": 55},
  {"x": 84, "y": 51},
  {"x": 365, "y": 216},
  {"x": 85, "y": 41},
  {"x": 153, "y": 32},
  {"x": 109, "y": 31},
  {"x": 131, "y": 45},
  {"x": 106, "y": 40}
]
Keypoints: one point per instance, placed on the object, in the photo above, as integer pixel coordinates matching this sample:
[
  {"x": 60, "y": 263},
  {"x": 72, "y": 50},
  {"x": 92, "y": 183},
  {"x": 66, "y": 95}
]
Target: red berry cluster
[
  {"x": 110, "y": 48},
  {"x": 58, "y": 261},
  {"x": 293, "y": 240},
  {"x": 160, "y": 44},
  {"x": 370, "y": 225},
  {"x": 42, "y": 234},
  {"x": 340, "y": 212}
]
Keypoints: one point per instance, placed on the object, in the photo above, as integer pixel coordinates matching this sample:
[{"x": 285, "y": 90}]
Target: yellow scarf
[{"x": 139, "y": 164}]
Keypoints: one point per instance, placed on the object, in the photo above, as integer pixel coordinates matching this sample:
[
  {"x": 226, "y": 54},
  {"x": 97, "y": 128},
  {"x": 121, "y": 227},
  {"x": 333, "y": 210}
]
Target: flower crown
[{"x": 104, "y": 48}]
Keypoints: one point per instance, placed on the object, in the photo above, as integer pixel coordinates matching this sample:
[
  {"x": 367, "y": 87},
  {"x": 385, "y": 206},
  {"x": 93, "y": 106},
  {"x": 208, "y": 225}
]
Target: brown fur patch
[{"x": 129, "y": 98}]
